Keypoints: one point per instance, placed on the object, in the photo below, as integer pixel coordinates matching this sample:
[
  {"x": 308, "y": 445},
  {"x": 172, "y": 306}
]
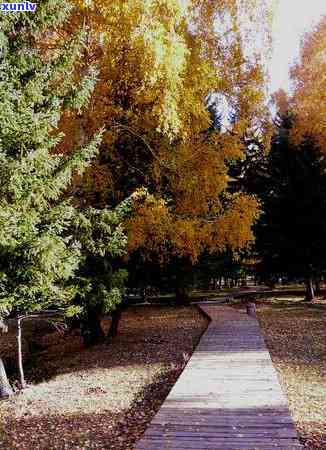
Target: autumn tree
[
  {"x": 159, "y": 61},
  {"x": 309, "y": 98}
]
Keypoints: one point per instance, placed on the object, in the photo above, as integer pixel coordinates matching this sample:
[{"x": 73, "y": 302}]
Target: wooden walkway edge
[{"x": 228, "y": 396}]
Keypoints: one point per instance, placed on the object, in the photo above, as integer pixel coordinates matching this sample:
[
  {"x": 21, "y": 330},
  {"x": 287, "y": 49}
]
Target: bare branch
[{"x": 139, "y": 136}]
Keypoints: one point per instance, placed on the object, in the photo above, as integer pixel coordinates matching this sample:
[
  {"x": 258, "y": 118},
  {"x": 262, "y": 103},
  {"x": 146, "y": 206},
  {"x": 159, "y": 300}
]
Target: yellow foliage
[
  {"x": 159, "y": 233},
  {"x": 309, "y": 99},
  {"x": 158, "y": 62}
]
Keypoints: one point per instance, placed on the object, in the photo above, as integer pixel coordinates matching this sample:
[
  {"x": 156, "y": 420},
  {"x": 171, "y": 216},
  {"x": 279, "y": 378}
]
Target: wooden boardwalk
[{"x": 228, "y": 396}]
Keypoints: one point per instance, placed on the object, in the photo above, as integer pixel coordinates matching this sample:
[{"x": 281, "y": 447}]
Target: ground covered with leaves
[
  {"x": 295, "y": 333},
  {"x": 100, "y": 398}
]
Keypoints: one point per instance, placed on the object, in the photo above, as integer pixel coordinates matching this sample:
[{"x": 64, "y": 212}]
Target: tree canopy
[
  {"x": 41, "y": 244},
  {"x": 159, "y": 62},
  {"x": 309, "y": 98},
  {"x": 290, "y": 182}
]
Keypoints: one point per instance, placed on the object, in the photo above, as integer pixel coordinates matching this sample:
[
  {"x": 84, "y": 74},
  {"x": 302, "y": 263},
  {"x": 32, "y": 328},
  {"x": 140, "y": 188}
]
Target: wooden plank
[
  {"x": 228, "y": 396},
  {"x": 221, "y": 432},
  {"x": 217, "y": 446},
  {"x": 285, "y": 444}
]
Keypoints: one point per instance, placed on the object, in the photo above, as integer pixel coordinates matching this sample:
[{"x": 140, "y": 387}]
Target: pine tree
[
  {"x": 41, "y": 245},
  {"x": 291, "y": 185},
  {"x": 99, "y": 281},
  {"x": 36, "y": 252}
]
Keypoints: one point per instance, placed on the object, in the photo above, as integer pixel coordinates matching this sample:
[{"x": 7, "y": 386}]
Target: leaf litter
[{"x": 103, "y": 397}]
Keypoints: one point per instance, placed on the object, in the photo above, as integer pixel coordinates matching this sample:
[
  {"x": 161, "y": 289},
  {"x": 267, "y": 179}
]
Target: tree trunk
[
  {"x": 317, "y": 287},
  {"x": 310, "y": 295},
  {"x": 20, "y": 355},
  {"x": 116, "y": 316},
  {"x": 73, "y": 324},
  {"x": 91, "y": 329},
  {"x": 182, "y": 295},
  {"x": 114, "y": 328},
  {"x": 5, "y": 388},
  {"x": 184, "y": 279}
]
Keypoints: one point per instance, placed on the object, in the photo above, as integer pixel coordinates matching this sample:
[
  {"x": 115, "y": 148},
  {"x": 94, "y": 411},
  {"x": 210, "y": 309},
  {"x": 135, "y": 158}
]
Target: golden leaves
[
  {"x": 159, "y": 233},
  {"x": 309, "y": 99},
  {"x": 160, "y": 59},
  {"x": 158, "y": 62}
]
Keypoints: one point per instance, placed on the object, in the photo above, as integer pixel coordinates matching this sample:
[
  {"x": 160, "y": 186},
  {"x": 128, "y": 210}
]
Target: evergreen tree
[
  {"x": 37, "y": 253},
  {"x": 99, "y": 280},
  {"x": 291, "y": 184},
  {"x": 44, "y": 240}
]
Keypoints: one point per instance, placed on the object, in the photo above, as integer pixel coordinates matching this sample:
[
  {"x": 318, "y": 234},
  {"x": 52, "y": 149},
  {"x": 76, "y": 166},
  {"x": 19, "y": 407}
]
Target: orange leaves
[
  {"x": 233, "y": 228},
  {"x": 158, "y": 62},
  {"x": 160, "y": 59},
  {"x": 158, "y": 233},
  {"x": 309, "y": 99},
  {"x": 199, "y": 177},
  {"x": 150, "y": 225}
]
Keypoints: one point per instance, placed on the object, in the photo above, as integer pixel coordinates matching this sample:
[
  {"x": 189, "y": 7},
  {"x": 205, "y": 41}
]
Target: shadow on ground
[{"x": 106, "y": 430}]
